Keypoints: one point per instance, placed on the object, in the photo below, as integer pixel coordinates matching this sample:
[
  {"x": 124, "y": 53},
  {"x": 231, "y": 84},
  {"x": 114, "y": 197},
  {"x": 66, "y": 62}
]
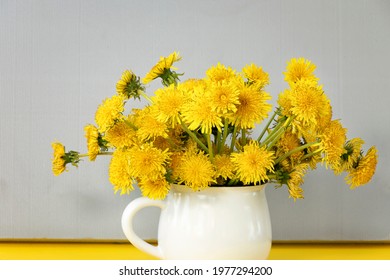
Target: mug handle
[{"x": 127, "y": 224}]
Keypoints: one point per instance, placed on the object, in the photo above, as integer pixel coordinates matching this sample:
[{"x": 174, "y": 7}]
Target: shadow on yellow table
[{"x": 125, "y": 251}]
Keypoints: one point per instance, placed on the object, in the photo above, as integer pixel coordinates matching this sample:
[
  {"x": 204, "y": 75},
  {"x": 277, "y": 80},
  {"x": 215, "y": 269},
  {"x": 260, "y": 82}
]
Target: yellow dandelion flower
[
  {"x": 58, "y": 161},
  {"x": 332, "y": 142},
  {"x": 109, "y": 112},
  {"x": 173, "y": 141},
  {"x": 252, "y": 108},
  {"x": 220, "y": 73},
  {"x": 223, "y": 97},
  {"x": 121, "y": 135},
  {"x": 159, "y": 69},
  {"x": 119, "y": 172},
  {"x": 129, "y": 85},
  {"x": 92, "y": 136},
  {"x": 300, "y": 69},
  {"x": 253, "y": 163},
  {"x": 256, "y": 75},
  {"x": 351, "y": 155},
  {"x": 285, "y": 102},
  {"x": 224, "y": 166},
  {"x": 154, "y": 189},
  {"x": 295, "y": 192},
  {"x": 174, "y": 164},
  {"x": 190, "y": 86},
  {"x": 122, "y": 84},
  {"x": 168, "y": 103},
  {"x": 148, "y": 125},
  {"x": 288, "y": 142},
  {"x": 148, "y": 162},
  {"x": 308, "y": 103},
  {"x": 296, "y": 180},
  {"x": 196, "y": 171},
  {"x": 365, "y": 169},
  {"x": 200, "y": 114},
  {"x": 325, "y": 117}
]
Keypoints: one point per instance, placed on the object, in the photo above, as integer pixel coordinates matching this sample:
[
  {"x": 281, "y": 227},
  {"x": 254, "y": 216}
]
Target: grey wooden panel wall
[{"x": 60, "y": 59}]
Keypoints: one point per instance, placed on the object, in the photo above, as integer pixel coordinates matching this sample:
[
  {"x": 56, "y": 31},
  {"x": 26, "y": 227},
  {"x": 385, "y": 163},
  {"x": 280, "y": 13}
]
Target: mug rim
[{"x": 185, "y": 189}]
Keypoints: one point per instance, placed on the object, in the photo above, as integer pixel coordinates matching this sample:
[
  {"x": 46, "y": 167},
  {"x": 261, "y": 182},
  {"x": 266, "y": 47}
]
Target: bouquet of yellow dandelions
[{"x": 199, "y": 132}]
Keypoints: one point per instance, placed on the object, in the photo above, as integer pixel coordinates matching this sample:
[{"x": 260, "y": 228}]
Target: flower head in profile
[
  {"x": 300, "y": 69},
  {"x": 196, "y": 171},
  {"x": 253, "y": 164},
  {"x": 92, "y": 136},
  {"x": 351, "y": 155},
  {"x": 58, "y": 161},
  {"x": 129, "y": 85},
  {"x": 120, "y": 173},
  {"x": 163, "y": 70},
  {"x": 61, "y": 158},
  {"x": 109, "y": 112},
  {"x": 364, "y": 170}
]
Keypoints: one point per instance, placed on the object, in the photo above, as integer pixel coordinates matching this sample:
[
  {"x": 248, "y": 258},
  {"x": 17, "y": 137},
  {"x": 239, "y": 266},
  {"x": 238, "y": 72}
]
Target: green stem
[
  {"x": 99, "y": 154},
  {"x": 298, "y": 149},
  {"x": 232, "y": 182},
  {"x": 276, "y": 138},
  {"x": 273, "y": 135},
  {"x": 266, "y": 126},
  {"x": 218, "y": 141},
  {"x": 275, "y": 130},
  {"x": 130, "y": 124},
  {"x": 224, "y": 135},
  {"x": 193, "y": 136},
  {"x": 233, "y": 139},
  {"x": 311, "y": 154},
  {"x": 243, "y": 135},
  {"x": 146, "y": 97},
  {"x": 210, "y": 146}
]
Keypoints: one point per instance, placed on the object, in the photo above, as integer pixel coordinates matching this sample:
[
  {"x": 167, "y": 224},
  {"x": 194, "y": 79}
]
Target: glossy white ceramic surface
[{"x": 216, "y": 223}]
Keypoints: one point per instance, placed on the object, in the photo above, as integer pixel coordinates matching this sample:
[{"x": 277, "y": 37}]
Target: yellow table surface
[{"x": 125, "y": 251}]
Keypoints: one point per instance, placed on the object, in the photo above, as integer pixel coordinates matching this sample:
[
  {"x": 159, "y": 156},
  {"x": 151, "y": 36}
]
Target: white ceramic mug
[{"x": 215, "y": 223}]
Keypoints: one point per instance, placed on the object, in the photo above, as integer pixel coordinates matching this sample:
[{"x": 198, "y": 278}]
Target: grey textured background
[{"x": 60, "y": 59}]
